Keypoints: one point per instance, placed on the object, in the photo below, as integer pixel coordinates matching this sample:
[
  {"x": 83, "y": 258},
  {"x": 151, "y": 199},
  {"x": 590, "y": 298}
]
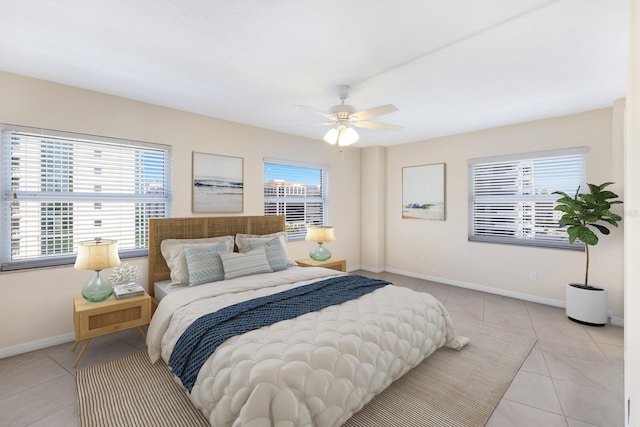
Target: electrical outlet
[
  {"x": 423, "y": 259},
  {"x": 533, "y": 276}
]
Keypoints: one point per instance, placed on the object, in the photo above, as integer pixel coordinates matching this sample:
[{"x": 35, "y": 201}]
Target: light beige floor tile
[
  {"x": 579, "y": 371},
  {"x": 514, "y": 414},
  {"x": 65, "y": 417},
  {"x": 133, "y": 337},
  {"x": 534, "y": 390},
  {"x": 561, "y": 327},
  {"x": 9, "y": 363},
  {"x": 575, "y": 423},
  {"x": 34, "y": 404},
  {"x": 542, "y": 311},
  {"x": 100, "y": 349},
  {"x": 465, "y": 312},
  {"x": 613, "y": 352},
  {"x": 463, "y": 296},
  {"x": 26, "y": 375},
  {"x": 589, "y": 404},
  {"x": 535, "y": 363},
  {"x": 608, "y": 334},
  {"x": 506, "y": 312},
  {"x": 582, "y": 349}
]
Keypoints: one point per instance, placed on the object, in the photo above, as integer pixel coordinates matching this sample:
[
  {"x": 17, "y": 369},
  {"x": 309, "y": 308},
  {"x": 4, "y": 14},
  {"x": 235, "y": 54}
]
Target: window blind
[
  {"x": 60, "y": 188},
  {"x": 511, "y": 198},
  {"x": 298, "y": 191}
]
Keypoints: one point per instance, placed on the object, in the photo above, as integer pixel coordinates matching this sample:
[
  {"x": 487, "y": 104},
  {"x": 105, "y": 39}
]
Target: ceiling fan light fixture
[
  {"x": 342, "y": 135},
  {"x": 348, "y": 136},
  {"x": 332, "y": 136}
]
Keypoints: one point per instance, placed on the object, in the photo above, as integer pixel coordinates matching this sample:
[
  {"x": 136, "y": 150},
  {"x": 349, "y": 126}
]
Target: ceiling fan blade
[
  {"x": 374, "y": 112},
  {"x": 314, "y": 111},
  {"x": 375, "y": 125}
]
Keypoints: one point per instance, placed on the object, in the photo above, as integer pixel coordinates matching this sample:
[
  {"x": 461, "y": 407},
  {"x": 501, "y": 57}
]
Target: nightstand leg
[
  {"x": 75, "y": 344},
  {"x": 144, "y": 335},
  {"x": 82, "y": 350}
]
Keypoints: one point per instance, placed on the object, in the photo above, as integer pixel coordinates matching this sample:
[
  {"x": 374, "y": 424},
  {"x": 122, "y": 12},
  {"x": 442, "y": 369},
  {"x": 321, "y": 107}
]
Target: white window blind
[
  {"x": 511, "y": 198},
  {"x": 61, "y": 188},
  {"x": 298, "y": 191}
]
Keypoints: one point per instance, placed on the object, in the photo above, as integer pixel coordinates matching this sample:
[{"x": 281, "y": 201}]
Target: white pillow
[
  {"x": 243, "y": 264},
  {"x": 173, "y": 253},
  {"x": 243, "y": 243}
]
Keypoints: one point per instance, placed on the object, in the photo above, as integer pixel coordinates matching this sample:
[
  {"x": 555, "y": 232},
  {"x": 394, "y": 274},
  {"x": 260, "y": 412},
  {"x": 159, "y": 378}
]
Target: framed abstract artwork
[
  {"x": 423, "y": 192},
  {"x": 217, "y": 185}
]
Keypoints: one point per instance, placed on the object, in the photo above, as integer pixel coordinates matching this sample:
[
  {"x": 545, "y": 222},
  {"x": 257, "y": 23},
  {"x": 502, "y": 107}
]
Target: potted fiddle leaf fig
[{"x": 584, "y": 214}]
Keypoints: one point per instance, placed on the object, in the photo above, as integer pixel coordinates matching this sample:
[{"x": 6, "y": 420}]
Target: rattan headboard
[{"x": 199, "y": 227}]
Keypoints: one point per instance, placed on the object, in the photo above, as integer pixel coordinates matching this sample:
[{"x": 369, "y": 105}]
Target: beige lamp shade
[
  {"x": 97, "y": 254},
  {"x": 320, "y": 234}
]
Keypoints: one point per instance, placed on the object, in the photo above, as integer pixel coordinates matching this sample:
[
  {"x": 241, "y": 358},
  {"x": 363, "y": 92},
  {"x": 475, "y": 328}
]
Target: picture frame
[
  {"x": 424, "y": 192},
  {"x": 217, "y": 183}
]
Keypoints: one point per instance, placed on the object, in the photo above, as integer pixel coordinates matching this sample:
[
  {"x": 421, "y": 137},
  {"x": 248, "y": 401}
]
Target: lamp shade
[
  {"x": 97, "y": 254},
  {"x": 320, "y": 234}
]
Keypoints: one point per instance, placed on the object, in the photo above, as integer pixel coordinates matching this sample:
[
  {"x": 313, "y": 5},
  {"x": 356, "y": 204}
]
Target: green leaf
[
  {"x": 605, "y": 195},
  {"x": 601, "y": 228},
  {"x": 565, "y": 208},
  {"x": 573, "y": 232},
  {"x": 587, "y": 236}
]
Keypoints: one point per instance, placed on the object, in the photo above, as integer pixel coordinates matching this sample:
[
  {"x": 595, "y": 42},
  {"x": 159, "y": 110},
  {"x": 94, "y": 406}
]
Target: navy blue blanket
[{"x": 203, "y": 336}]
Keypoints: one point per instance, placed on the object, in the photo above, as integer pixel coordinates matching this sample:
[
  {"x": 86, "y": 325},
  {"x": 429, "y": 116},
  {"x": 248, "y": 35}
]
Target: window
[
  {"x": 511, "y": 198},
  {"x": 60, "y": 188},
  {"x": 298, "y": 191}
]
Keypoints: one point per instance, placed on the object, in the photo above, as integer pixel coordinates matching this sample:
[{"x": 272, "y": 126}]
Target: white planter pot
[{"x": 588, "y": 306}]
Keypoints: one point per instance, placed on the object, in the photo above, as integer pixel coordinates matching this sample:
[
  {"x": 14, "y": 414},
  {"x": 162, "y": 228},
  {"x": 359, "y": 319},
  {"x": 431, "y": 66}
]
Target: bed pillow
[
  {"x": 276, "y": 255},
  {"x": 243, "y": 264},
  {"x": 173, "y": 253},
  {"x": 204, "y": 264},
  {"x": 242, "y": 242}
]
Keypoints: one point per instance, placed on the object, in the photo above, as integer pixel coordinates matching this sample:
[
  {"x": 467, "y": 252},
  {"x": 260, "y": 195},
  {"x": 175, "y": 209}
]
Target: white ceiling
[{"x": 450, "y": 66}]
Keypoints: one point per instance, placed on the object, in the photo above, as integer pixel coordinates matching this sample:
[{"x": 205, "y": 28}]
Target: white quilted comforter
[{"x": 314, "y": 370}]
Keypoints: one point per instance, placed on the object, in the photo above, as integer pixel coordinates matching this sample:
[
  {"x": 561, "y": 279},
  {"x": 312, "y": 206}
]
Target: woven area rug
[{"x": 451, "y": 388}]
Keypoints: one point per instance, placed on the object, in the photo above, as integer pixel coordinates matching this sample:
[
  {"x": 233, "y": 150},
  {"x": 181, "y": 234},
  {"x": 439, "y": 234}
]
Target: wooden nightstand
[
  {"x": 92, "y": 319},
  {"x": 332, "y": 263}
]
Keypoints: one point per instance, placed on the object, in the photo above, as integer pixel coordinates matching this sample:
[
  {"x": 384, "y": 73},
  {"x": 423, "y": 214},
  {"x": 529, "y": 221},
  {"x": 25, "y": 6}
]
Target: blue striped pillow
[
  {"x": 252, "y": 262},
  {"x": 204, "y": 264},
  {"x": 276, "y": 255}
]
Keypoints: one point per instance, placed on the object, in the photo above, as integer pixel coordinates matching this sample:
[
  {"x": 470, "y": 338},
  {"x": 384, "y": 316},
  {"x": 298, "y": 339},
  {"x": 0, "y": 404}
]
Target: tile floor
[{"x": 573, "y": 376}]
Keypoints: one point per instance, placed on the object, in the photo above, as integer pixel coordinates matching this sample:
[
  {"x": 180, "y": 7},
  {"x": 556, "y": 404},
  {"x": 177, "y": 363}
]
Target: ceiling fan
[{"x": 344, "y": 116}]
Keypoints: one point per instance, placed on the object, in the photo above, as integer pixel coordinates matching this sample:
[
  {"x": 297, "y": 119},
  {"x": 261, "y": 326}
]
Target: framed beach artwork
[
  {"x": 423, "y": 192},
  {"x": 217, "y": 183}
]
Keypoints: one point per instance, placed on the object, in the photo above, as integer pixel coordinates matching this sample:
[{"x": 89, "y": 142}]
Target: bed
[{"x": 279, "y": 345}]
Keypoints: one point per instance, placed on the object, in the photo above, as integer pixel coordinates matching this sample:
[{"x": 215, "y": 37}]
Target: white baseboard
[
  {"x": 36, "y": 345},
  {"x": 371, "y": 269},
  {"x": 482, "y": 288},
  {"x": 615, "y": 321}
]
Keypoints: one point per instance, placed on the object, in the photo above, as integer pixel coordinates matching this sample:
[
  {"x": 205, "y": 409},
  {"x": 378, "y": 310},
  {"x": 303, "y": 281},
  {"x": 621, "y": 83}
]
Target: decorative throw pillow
[
  {"x": 276, "y": 255},
  {"x": 242, "y": 242},
  {"x": 204, "y": 264},
  {"x": 243, "y": 264},
  {"x": 173, "y": 253}
]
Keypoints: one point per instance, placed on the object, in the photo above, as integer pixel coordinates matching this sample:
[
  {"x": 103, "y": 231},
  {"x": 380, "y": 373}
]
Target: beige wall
[
  {"x": 35, "y": 306},
  {"x": 373, "y": 207},
  {"x": 505, "y": 269}
]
